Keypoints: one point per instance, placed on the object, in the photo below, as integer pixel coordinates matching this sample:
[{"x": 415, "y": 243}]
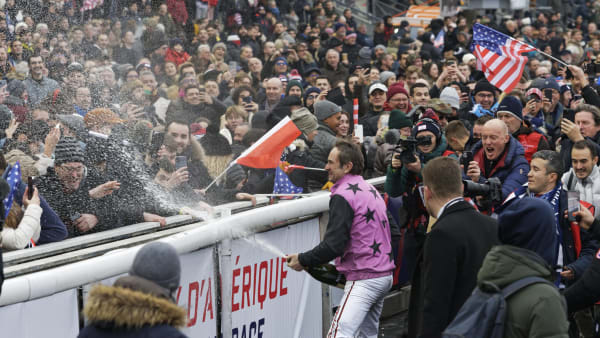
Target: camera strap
[{"x": 570, "y": 181}]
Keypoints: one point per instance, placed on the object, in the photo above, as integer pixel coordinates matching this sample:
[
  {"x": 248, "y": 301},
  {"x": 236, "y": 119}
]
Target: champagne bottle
[{"x": 328, "y": 274}]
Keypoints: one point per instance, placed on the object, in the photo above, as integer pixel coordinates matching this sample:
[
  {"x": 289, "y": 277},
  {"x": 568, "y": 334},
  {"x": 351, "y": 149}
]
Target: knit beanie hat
[
  {"x": 399, "y": 120},
  {"x": 511, "y": 105},
  {"x": 427, "y": 124},
  {"x": 450, "y": 96},
  {"x": 395, "y": 89},
  {"x": 68, "y": 150},
  {"x": 308, "y": 92},
  {"x": 529, "y": 223},
  {"x": 484, "y": 86},
  {"x": 324, "y": 109},
  {"x": 6, "y": 116},
  {"x": 384, "y": 76},
  {"x": 293, "y": 83},
  {"x": 304, "y": 120},
  {"x": 159, "y": 263},
  {"x": 215, "y": 144}
]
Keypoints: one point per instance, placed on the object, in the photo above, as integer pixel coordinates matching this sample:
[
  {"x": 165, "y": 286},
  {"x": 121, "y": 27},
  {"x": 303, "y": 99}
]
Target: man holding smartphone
[{"x": 575, "y": 247}]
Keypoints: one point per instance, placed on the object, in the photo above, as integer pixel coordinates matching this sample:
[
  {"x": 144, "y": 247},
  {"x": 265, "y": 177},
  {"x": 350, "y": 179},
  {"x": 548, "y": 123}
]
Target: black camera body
[
  {"x": 592, "y": 68},
  {"x": 491, "y": 190},
  {"x": 408, "y": 148}
]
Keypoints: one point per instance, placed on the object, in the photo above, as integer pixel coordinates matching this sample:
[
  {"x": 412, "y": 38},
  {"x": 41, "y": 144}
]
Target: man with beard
[{"x": 377, "y": 96}]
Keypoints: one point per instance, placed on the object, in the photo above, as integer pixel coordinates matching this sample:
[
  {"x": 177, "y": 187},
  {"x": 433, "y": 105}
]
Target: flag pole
[
  {"x": 220, "y": 175},
  {"x": 539, "y": 51}
]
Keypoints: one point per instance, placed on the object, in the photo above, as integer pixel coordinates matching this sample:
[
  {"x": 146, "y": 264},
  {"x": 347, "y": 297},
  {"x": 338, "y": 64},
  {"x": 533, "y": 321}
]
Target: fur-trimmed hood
[{"x": 124, "y": 307}]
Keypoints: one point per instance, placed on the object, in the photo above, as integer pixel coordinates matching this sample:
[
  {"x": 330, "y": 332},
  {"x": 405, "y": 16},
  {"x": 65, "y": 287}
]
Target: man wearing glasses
[{"x": 67, "y": 186}]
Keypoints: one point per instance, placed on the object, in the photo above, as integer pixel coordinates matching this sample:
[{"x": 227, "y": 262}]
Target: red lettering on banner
[
  {"x": 178, "y": 293},
  {"x": 262, "y": 297},
  {"x": 208, "y": 303},
  {"x": 282, "y": 291},
  {"x": 193, "y": 287},
  {"x": 234, "y": 289},
  {"x": 246, "y": 285},
  {"x": 254, "y": 287},
  {"x": 273, "y": 282}
]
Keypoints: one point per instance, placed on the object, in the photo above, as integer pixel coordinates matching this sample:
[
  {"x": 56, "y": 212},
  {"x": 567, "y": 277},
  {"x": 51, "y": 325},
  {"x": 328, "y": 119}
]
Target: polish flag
[{"x": 266, "y": 152}]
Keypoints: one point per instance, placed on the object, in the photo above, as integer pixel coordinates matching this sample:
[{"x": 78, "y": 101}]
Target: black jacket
[{"x": 453, "y": 253}]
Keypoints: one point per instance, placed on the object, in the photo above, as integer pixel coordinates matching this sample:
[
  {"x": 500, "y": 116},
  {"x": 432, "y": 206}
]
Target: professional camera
[
  {"x": 592, "y": 67},
  {"x": 407, "y": 148},
  {"x": 491, "y": 191}
]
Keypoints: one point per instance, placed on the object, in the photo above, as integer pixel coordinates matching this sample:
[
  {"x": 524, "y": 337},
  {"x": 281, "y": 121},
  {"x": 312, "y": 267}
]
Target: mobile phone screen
[
  {"x": 180, "y": 162},
  {"x": 572, "y": 204}
]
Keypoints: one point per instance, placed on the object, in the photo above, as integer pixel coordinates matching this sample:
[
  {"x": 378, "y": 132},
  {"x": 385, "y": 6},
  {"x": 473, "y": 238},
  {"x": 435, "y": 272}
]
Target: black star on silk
[
  {"x": 375, "y": 247},
  {"x": 384, "y": 223},
  {"x": 353, "y": 187},
  {"x": 391, "y": 255},
  {"x": 369, "y": 216},
  {"x": 374, "y": 192}
]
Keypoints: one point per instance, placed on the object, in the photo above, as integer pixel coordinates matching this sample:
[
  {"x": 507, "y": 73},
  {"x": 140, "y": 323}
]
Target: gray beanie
[
  {"x": 305, "y": 120},
  {"x": 384, "y": 76},
  {"x": 159, "y": 263},
  {"x": 324, "y": 109},
  {"x": 68, "y": 150}
]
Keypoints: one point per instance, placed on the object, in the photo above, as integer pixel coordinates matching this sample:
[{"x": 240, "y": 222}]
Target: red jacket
[{"x": 177, "y": 58}]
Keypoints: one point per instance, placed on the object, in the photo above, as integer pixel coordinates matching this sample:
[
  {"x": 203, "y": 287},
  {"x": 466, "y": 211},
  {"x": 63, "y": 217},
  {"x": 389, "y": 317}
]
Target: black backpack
[{"x": 484, "y": 312}]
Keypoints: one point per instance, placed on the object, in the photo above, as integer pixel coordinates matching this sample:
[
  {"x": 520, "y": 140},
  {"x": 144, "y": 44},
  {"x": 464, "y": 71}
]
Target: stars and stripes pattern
[
  {"x": 499, "y": 57},
  {"x": 283, "y": 185},
  {"x": 13, "y": 178}
]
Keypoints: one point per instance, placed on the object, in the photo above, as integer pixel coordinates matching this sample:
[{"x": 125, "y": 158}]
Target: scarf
[{"x": 553, "y": 197}]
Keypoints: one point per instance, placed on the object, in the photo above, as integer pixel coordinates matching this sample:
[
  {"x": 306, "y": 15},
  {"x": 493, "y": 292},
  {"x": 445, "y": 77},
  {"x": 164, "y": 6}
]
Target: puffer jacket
[
  {"x": 132, "y": 307},
  {"x": 323, "y": 142},
  {"x": 297, "y": 153},
  {"x": 511, "y": 169},
  {"x": 538, "y": 310},
  {"x": 589, "y": 188},
  {"x": 29, "y": 228}
]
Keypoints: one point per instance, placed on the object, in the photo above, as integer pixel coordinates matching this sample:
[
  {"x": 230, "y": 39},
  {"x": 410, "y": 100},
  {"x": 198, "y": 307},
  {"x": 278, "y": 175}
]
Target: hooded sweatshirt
[{"x": 537, "y": 310}]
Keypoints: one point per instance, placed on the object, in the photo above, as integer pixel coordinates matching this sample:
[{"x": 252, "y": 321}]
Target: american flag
[
  {"x": 283, "y": 185},
  {"x": 13, "y": 178},
  {"x": 90, "y": 4},
  {"x": 499, "y": 56}
]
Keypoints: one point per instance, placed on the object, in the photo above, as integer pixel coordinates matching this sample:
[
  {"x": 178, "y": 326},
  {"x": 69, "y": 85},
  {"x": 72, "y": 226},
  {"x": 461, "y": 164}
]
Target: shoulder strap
[
  {"x": 570, "y": 180},
  {"x": 520, "y": 284}
]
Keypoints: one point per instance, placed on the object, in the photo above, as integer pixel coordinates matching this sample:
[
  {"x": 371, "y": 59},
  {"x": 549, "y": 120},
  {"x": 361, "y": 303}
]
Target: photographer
[
  {"x": 498, "y": 155},
  {"x": 404, "y": 178}
]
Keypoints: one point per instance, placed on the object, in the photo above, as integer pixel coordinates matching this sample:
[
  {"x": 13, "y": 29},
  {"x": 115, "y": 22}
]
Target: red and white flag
[
  {"x": 266, "y": 152},
  {"x": 499, "y": 57},
  {"x": 91, "y": 4}
]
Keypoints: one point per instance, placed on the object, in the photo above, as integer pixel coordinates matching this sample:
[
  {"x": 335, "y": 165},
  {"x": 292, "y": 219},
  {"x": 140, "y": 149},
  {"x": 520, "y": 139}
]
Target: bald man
[
  {"x": 274, "y": 89},
  {"x": 500, "y": 155}
]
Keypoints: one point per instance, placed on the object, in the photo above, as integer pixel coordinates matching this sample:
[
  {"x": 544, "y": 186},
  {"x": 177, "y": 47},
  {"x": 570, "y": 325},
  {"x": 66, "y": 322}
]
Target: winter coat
[
  {"x": 18, "y": 107},
  {"x": 323, "y": 142},
  {"x": 38, "y": 90},
  {"x": 178, "y": 11},
  {"x": 190, "y": 113},
  {"x": 175, "y": 57},
  {"x": 132, "y": 307},
  {"x": 512, "y": 168},
  {"x": 535, "y": 311},
  {"x": 297, "y": 153},
  {"x": 453, "y": 253},
  {"x": 28, "y": 229},
  {"x": 335, "y": 75}
]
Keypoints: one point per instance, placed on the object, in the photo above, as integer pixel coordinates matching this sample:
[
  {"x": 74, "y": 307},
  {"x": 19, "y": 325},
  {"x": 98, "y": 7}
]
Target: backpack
[{"x": 484, "y": 312}]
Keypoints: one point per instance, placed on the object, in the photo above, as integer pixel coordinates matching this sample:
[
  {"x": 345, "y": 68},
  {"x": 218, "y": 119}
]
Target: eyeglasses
[
  {"x": 312, "y": 96},
  {"x": 481, "y": 95},
  {"x": 280, "y": 64},
  {"x": 70, "y": 169}
]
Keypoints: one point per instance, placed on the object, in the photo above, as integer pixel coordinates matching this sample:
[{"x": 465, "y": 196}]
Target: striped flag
[
  {"x": 499, "y": 56},
  {"x": 90, "y": 4},
  {"x": 12, "y": 175}
]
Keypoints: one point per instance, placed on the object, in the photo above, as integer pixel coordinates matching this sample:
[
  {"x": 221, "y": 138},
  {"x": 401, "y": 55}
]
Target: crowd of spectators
[{"x": 127, "y": 111}]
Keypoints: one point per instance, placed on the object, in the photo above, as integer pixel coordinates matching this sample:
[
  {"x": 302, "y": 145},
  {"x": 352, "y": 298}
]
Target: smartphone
[
  {"x": 465, "y": 159},
  {"x": 358, "y": 132},
  {"x": 29, "y": 187},
  {"x": 569, "y": 115},
  {"x": 548, "y": 94},
  {"x": 572, "y": 204},
  {"x": 247, "y": 99},
  {"x": 180, "y": 162},
  {"x": 450, "y": 63}
]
